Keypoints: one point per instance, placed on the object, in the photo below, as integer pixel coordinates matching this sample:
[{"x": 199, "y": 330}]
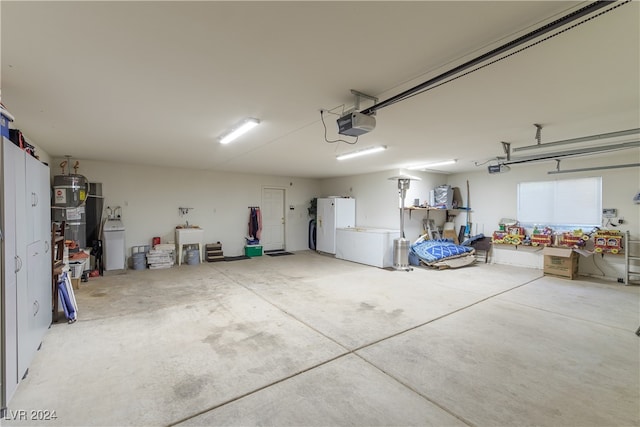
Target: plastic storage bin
[
  {"x": 4, "y": 125},
  {"x": 253, "y": 250}
]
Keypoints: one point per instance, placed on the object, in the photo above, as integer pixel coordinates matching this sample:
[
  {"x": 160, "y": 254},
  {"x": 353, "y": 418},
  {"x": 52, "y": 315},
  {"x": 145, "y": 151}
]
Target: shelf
[
  {"x": 515, "y": 247},
  {"x": 429, "y": 209},
  {"x": 416, "y": 208}
]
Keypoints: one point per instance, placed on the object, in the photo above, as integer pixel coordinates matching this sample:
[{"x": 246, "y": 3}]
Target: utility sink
[{"x": 189, "y": 236}]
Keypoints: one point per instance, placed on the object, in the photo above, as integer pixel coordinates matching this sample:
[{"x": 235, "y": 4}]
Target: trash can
[
  {"x": 193, "y": 256},
  {"x": 139, "y": 261}
]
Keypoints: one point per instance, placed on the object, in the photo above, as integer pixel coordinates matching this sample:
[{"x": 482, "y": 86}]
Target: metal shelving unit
[{"x": 631, "y": 260}]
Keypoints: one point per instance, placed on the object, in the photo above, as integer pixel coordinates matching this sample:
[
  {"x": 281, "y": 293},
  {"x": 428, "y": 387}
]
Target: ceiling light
[
  {"x": 242, "y": 128},
  {"x": 364, "y": 151},
  {"x": 431, "y": 165}
]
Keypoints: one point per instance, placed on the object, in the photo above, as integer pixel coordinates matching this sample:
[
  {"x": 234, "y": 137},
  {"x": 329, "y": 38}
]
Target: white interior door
[{"x": 272, "y": 219}]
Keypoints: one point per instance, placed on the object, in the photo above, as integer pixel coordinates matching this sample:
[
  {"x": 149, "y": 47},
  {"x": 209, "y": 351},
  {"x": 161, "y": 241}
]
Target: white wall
[
  {"x": 150, "y": 196},
  {"x": 494, "y": 197},
  {"x": 42, "y": 155},
  {"x": 377, "y": 199}
]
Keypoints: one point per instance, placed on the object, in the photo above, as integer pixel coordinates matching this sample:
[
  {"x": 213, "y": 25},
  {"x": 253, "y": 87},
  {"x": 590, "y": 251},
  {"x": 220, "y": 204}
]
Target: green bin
[{"x": 253, "y": 250}]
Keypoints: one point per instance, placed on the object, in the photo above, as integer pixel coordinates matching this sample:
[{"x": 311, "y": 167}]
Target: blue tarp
[
  {"x": 66, "y": 298},
  {"x": 437, "y": 249}
]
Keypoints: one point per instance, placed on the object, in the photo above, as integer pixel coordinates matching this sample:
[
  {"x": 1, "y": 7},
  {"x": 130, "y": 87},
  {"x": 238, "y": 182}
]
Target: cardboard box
[{"x": 561, "y": 262}]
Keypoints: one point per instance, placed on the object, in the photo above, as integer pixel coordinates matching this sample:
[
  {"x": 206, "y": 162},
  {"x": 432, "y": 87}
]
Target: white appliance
[
  {"x": 333, "y": 213},
  {"x": 370, "y": 246},
  {"x": 114, "y": 246}
]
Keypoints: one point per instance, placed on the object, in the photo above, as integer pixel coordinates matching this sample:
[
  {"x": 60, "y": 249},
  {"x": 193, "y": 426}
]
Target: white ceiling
[{"x": 157, "y": 82}]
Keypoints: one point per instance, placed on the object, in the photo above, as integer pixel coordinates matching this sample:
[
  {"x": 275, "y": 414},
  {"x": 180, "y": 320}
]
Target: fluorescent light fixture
[
  {"x": 432, "y": 165},
  {"x": 242, "y": 128},
  {"x": 364, "y": 151}
]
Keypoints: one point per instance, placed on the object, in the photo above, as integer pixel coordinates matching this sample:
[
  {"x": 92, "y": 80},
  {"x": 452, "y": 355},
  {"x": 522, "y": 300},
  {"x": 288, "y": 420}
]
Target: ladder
[
  {"x": 430, "y": 228},
  {"x": 631, "y": 261}
]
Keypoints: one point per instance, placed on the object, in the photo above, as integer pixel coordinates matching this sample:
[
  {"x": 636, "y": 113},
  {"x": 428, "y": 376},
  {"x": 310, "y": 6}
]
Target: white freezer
[{"x": 370, "y": 246}]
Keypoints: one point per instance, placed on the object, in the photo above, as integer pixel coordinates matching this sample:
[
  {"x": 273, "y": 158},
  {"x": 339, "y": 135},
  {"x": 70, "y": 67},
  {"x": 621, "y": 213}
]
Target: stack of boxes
[
  {"x": 161, "y": 256},
  {"x": 214, "y": 252}
]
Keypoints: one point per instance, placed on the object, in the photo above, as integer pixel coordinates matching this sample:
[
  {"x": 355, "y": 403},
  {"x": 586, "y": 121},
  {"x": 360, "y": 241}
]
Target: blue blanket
[{"x": 434, "y": 250}]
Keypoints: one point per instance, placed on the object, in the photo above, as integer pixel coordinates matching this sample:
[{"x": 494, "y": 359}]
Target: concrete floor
[{"x": 307, "y": 340}]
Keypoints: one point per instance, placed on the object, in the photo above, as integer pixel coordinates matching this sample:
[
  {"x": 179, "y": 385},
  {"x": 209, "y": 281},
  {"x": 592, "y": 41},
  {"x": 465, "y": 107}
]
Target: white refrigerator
[{"x": 333, "y": 213}]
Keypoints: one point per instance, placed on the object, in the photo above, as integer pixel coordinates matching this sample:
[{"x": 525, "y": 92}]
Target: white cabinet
[
  {"x": 333, "y": 213},
  {"x": 26, "y": 271},
  {"x": 38, "y": 200},
  {"x": 12, "y": 268}
]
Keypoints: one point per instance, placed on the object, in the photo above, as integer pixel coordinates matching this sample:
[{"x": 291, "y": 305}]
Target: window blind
[{"x": 571, "y": 202}]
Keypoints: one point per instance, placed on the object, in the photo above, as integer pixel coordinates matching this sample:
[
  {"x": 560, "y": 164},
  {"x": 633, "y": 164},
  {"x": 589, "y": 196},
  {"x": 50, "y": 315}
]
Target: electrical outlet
[
  {"x": 609, "y": 213},
  {"x": 620, "y": 280}
]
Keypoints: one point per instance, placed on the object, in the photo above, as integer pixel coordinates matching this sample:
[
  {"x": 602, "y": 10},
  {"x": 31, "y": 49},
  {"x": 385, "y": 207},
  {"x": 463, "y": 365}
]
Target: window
[{"x": 571, "y": 203}]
